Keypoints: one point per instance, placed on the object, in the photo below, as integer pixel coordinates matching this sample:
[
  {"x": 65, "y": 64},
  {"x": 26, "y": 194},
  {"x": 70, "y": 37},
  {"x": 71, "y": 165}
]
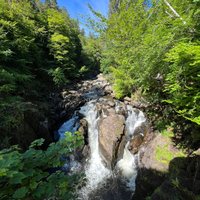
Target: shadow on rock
[{"x": 181, "y": 182}]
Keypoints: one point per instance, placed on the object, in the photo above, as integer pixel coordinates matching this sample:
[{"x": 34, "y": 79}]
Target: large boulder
[
  {"x": 135, "y": 143},
  {"x": 159, "y": 161},
  {"x": 111, "y": 130},
  {"x": 138, "y": 139}
]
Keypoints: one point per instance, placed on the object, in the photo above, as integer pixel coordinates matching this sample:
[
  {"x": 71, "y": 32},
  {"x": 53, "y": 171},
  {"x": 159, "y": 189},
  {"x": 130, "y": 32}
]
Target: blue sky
[{"x": 78, "y": 9}]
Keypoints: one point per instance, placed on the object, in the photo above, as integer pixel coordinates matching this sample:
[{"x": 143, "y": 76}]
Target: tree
[
  {"x": 51, "y": 4},
  {"x": 162, "y": 39},
  {"x": 40, "y": 49}
]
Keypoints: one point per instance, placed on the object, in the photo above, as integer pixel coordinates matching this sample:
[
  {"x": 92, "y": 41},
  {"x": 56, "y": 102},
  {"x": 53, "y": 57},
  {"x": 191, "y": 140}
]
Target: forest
[
  {"x": 152, "y": 51},
  {"x": 148, "y": 50}
]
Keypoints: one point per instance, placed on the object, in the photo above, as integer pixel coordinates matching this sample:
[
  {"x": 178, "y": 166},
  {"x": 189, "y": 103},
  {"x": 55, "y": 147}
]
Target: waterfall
[
  {"x": 71, "y": 165},
  {"x": 128, "y": 168},
  {"x": 95, "y": 170},
  {"x": 128, "y": 164},
  {"x": 135, "y": 119},
  {"x": 97, "y": 176}
]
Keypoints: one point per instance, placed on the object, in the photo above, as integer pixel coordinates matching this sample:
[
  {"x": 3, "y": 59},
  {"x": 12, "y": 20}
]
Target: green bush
[
  {"x": 26, "y": 175},
  {"x": 182, "y": 82}
]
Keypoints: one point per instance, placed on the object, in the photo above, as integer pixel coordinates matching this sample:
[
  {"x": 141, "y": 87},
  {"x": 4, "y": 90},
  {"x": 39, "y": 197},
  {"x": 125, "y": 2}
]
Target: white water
[
  {"x": 128, "y": 168},
  {"x": 135, "y": 119},
  {"x": 95, "y": 171},
  {"x": 128, "y": 164}
]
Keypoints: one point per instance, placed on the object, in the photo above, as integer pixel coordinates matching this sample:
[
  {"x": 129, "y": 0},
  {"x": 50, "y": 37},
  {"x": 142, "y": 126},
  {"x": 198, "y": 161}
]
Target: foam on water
[
  {"x": 95, "y": 171},
  {"x": 128, "y": 164},
  {"x": 135, "y": 119}
]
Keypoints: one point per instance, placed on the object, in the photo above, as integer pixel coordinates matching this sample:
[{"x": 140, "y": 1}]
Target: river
[{"x": 103, "y": 181}]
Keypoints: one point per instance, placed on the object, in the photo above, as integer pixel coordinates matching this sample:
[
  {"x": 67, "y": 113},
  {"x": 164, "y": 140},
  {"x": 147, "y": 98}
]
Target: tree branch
[{"x": 174, "y": 11}]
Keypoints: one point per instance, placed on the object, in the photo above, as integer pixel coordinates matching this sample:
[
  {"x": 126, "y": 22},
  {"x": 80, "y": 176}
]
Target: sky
[{"x": 78, "y": 9}]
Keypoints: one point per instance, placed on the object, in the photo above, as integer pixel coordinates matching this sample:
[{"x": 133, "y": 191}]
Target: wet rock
[
  {"x": 135, "y": 143},
  {"x": 141, "y": 130},
  {"x": 127, "y": 99},
  {"x": 111, "y": 103},
  {"x": 111, "y": 130},
  {"x": 108, "y": 100},
  {"x": 139, "y": 137},
  {"x": 108, "y": 89},
  {"x": 120, "y": 151},
  {"x": 106, "y": 111},
  {"x": 64, "y": 94},
  {"x": 136, "y": 104},
  {"x": 120, "y": 108},
  {"x": 83, "y": 129},
  {"x": 72, "y": 91},
  {"x": 86, "y": 151}
]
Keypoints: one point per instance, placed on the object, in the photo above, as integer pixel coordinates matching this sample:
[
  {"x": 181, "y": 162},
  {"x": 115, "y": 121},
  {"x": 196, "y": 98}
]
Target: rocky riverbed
[{"x": 113, "y": 131}]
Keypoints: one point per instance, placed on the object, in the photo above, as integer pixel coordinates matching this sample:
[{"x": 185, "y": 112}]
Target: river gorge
[{"x": 113, "y": 131}]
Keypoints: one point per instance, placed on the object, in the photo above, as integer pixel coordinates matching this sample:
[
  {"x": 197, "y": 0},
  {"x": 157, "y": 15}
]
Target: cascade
[
  {"x": 95, "y": 170},
  {"x": 96, "y": 173},
  {"x": 128, "y": 164}
]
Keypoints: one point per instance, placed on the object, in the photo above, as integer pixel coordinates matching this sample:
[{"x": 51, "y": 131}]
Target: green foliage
[
  {"x": 91, "y": 55},
  {"x": 83, "y": 70},
  {"x": 27, "y": 175},
  {"x": 182, "y": 82},
  {"x": 155, "y": 49},
  {"x": 62, "y": 41},
  {"x": 58, "y": 47},
  {"x": 167, "y": 133},
  {"x": 40, "y": 48},
  {"x": 58, "y": 76}
]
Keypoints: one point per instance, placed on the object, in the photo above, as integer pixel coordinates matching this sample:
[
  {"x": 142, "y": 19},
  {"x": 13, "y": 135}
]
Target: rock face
[
  {"x": 74, "y": 96},
  {"x": 34, "y": 126},
  {"x": 111, "y": 130},
  {"x": 140, "y": 135},
  {"x": 161, "y": 167},
  {"x": 148, "y": 158},
  {"x": 148, "y": 177}
]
